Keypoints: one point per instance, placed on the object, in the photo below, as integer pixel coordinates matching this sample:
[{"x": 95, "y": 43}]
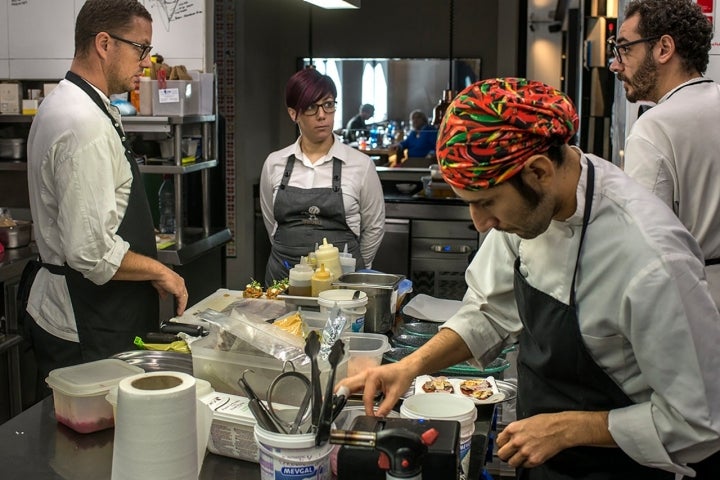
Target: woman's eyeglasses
[
  {"x": 328, "y": 107},
  {"x": 144, "y": 49},
  {"x": 617, "y": 48}
]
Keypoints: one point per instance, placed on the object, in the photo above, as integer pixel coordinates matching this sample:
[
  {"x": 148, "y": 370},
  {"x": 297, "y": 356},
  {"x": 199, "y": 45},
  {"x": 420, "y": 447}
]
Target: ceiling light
[{"x": 335, "y": 4}]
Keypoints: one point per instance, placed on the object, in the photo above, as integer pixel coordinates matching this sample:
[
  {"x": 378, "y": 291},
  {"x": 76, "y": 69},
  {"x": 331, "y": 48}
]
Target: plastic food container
[
  {"x": 231, "y": 433},
  {"x": 222, "y": 365},
  {"x": 353, "y": 308},
  {"x": 79, "y": 393},
  {"x": 366, "y": 350}
]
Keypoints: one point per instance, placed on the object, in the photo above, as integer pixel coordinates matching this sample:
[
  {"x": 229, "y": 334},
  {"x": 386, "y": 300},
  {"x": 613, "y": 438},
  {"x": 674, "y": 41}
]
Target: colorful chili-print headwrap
[{"x": 494, "y": 126}]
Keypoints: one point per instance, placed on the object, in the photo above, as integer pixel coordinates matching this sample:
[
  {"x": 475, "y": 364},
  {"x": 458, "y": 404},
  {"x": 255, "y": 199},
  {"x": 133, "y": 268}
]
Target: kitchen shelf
[
  {"x": 8, "y": 166},
  {"x": 15, "y": 118},
  {"x": 179, "y": 170},
  {"x": 190, "y": 242},
  {"x": 196, "y": 244}
]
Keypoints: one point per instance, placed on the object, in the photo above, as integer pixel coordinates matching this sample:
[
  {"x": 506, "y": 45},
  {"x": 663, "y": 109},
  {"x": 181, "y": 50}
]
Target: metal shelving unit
[{"x": 189, "y": 242}]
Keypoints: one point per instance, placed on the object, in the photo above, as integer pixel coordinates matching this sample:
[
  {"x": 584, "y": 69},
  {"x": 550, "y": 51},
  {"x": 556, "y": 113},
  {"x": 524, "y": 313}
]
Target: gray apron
[
  {"x": 304, "y": 217},
  {"x": 556, "y": 373}
]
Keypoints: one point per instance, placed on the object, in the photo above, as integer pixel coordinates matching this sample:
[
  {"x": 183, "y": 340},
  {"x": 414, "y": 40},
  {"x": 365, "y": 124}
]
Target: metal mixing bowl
[{"x": 17, "y": 236}]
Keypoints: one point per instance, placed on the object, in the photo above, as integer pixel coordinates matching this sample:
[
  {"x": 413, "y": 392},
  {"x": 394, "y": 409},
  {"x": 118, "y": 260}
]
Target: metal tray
[
  {"x": 463, "y": 369},
  {"x": 158, "y": 361}
]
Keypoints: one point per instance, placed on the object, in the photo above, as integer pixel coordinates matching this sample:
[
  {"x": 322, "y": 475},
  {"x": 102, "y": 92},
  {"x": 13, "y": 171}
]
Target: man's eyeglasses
[
  {"x": 144, "y": 49},
  {"x": 328, "y": 107},
  {"x": 618, "y": 48}
]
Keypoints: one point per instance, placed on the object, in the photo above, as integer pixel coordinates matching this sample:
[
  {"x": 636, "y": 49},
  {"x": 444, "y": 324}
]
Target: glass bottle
[
  {"x": 166, "y": 205},
  {"x": 442, "y": 105}
]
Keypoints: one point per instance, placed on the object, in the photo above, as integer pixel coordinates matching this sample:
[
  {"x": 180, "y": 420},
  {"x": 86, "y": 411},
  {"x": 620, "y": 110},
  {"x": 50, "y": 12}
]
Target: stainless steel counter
[{"x": 34, "y": 446}]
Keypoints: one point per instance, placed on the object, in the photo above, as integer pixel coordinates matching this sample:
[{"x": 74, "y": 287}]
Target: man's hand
[
  {"x": 173, "y": 284},
  {"x": 534, "y": 440},
  {"x": 393, "y": 380},
  {"x": 136, "y": 267}
]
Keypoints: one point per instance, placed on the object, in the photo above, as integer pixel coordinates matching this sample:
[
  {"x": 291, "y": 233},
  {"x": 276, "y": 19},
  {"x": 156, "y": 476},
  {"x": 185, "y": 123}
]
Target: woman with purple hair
[{"x": 318, "y": 188}]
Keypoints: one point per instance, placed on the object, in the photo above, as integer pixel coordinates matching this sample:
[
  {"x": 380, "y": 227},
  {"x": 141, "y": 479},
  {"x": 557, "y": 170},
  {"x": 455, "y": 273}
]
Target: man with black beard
[{"x": 661, "y": 53}]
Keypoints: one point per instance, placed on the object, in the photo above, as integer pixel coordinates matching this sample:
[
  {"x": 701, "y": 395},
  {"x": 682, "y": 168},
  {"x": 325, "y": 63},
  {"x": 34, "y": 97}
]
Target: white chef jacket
[
  {"x": 79, "y": 182},
  {"x": 645, "y": 314},
  {"x": 362, "y": 192},
  {"x": 673, "y": 150}
]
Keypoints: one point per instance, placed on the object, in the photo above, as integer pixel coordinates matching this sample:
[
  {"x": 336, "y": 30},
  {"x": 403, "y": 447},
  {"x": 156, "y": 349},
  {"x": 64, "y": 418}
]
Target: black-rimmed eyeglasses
[
  {"x": 328, "y": 107},
  {"x": 144, "y": 49},
  {"x": 618, "y": 48}
]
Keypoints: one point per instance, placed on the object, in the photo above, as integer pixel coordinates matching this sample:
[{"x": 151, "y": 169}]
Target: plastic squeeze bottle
[
  {"x": 347, "y": 262},
  {"x": 321, "y": 281},
  {"x": 330, "y": 256},
  {"x": 300, "y": 278}
]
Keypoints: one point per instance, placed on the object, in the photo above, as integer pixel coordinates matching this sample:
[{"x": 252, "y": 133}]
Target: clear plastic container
[
  {"x": 79, "y": 393},
  {"x": 366, "y": 350}
]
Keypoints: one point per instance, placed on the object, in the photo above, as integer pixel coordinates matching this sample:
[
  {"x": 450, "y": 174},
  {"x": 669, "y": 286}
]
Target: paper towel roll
[{"x": 156, "y": 428}]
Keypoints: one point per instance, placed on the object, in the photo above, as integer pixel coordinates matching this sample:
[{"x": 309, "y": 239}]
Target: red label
[{"x": 706, "y": 5}]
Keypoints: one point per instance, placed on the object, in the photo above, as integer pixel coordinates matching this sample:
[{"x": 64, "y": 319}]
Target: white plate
[
  {"x": 431, "y": 309},
  {"x": 496, "y": 397}
]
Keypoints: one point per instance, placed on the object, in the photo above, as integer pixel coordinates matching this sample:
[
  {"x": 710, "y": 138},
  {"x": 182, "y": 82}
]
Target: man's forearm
[
  {"x": 443, "y": 350},
  {"x": 136, "y": 267}
]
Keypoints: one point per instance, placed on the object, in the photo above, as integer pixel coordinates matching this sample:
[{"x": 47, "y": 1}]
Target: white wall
[{"x": 544, "y": 48}]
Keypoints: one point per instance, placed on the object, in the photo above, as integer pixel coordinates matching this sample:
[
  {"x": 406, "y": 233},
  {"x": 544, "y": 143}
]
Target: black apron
[
  {"x": 110, "y": 316},
  {"x": 556, "y": 373},
  {"x": 304, "y": 217}
]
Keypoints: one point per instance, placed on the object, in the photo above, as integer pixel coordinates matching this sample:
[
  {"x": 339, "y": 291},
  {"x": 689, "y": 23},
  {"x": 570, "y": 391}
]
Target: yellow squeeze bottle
[
  {"x": 330, "y": 256},
  {"x": 321, "y": 281}
]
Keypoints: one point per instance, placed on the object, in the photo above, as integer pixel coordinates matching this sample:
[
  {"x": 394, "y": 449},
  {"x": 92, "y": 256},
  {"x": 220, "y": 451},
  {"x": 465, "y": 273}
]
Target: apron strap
[{"x": 589, "y": 191}]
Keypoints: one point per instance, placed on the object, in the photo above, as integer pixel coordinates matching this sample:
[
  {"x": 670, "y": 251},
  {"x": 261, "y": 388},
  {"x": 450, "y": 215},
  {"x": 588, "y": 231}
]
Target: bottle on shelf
[
  {"x": 300, "y": 279},
  {"x": 442, "y": 105},
  {"x": 166, "y": 205},
  {"x": 330, "y": 256},
  {"x": 321, "y": 281}
]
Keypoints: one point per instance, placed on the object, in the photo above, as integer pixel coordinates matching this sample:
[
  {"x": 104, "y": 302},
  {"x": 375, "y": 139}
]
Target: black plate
[
  {"x": 409, "y": 341},
  {"x": 422, "y": 329}
]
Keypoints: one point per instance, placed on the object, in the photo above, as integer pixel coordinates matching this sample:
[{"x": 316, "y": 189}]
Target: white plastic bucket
[
  {"x": 353, "y": 309},
  {"x": 292, "y": 456},
  {"x": 445, "y": 406}
]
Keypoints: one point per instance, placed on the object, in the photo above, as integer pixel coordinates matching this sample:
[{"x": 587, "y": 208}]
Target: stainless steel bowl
[
  {"x": 17, "y": 236},
  {"x": 158, "y": 361},
  {"x": 12, "y": 148}
]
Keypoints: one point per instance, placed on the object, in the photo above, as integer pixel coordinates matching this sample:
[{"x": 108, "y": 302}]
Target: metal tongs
[{"x": 329, "y": 404}]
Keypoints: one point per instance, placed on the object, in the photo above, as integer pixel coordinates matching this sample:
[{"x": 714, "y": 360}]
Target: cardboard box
[{"x": 10, "y": 98}]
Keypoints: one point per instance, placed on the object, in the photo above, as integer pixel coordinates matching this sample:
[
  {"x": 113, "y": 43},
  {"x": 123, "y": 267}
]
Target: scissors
[{"x": 285, "y": 389}]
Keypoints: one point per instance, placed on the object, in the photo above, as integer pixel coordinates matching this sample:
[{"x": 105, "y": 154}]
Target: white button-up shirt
[
  {"x": 79, "y": 182},
  {"x": 644, "y": 309}
]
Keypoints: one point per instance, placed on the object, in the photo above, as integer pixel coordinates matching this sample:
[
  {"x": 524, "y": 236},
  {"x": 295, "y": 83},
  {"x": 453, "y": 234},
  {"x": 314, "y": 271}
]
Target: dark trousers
[
  {"x": 50, "y": 352},
  {"x": 708, "y": 469}
]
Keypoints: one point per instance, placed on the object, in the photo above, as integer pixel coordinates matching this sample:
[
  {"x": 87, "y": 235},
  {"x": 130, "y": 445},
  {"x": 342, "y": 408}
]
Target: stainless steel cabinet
[{"x": 393, "y": 256}]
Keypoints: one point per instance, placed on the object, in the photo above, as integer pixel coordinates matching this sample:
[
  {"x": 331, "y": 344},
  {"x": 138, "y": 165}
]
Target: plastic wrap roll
[{"x": 156, "y": 434}]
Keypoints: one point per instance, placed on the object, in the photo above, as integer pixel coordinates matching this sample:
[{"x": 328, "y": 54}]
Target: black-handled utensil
[
  {"x": 339, "y": 401},
  {"x": 312, "y": 348},
  {"x": 262, "y": 416},
  {"x": 323, "y": 433},
  {"x": 177, "y": 327}
]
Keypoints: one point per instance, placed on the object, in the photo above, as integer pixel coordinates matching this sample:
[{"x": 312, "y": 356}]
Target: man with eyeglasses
[
  {"x": 98, "y": 286},
  {"x": 318, "y": 187},
  {"x": 661, "y": 53}
]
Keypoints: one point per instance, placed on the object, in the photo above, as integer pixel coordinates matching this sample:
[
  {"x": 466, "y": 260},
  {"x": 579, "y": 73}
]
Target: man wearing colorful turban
[{"x": 597, "y": 280}]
